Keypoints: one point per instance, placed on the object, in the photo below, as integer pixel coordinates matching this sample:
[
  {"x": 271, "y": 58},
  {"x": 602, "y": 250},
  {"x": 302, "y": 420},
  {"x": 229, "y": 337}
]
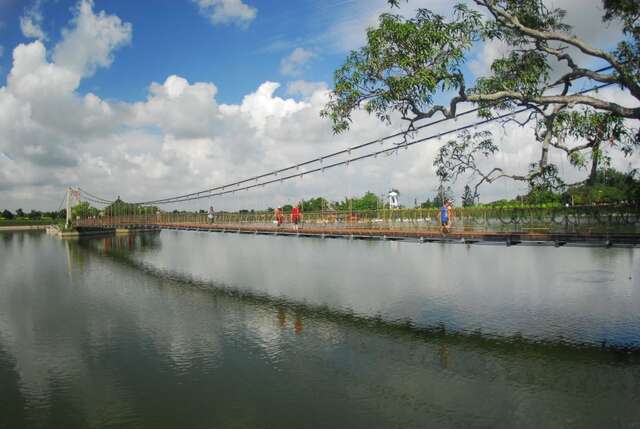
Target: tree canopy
[
  {"x": 121, "y": 207},
  {"x": 369, "y": 201},
  {"x": 408, "y": 66}
]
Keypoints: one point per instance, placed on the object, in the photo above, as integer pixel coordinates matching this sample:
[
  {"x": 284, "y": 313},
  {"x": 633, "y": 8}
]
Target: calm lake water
[{"x": 210, "y": 330}]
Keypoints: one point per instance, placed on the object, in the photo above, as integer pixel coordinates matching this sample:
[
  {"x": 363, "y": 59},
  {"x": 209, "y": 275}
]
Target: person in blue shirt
[{"x": 444, "y": 216}]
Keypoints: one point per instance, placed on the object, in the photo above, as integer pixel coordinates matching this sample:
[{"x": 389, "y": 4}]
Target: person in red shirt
[{"x": 295, "y": 215}]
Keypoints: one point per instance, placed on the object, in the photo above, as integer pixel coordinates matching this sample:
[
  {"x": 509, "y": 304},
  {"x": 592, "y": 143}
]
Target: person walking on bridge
[
  {"x": 279, "y": 217},
  {"x": 295, "y": 216},
  {"x": 210, "y": 214},
  {"x": 445, "y": 216}
]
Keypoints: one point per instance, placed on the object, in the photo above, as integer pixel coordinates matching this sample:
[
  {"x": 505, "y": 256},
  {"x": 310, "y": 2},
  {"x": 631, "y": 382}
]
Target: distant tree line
[
  {"x": 20, "y": 214},
  {"x": 605, "y": 186},
  {"x": 121, "y": 207}
]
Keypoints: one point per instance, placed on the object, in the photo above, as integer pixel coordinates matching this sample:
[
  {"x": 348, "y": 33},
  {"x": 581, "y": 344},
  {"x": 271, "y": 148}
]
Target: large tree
[{"x": 409, "y": 65}]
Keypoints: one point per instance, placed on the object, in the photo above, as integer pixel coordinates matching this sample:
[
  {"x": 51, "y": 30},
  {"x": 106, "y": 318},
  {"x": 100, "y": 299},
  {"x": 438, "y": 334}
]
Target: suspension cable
[
  {"x": 106, "y": 201},
  {"x": 223, "y": 190},
  {"x": 346, "y": 151}
]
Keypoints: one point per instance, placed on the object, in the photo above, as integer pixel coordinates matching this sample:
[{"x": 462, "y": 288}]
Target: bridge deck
[{"x": 364, "y": 233}]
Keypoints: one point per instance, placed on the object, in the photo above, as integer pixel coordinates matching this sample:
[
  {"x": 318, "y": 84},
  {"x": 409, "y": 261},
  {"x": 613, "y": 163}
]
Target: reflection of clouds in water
[
  {"x": 589, "y": 276},
  {"x": 51, "y": 316},
  {"x": 263, "y": 330},
  {"x": 539, "y": 292},
  {"x": 161, "y": 317},
  {"x": 26, "y": 333}
]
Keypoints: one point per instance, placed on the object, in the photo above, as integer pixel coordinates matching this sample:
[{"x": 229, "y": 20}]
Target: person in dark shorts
[{"x": 444, "y": 217}]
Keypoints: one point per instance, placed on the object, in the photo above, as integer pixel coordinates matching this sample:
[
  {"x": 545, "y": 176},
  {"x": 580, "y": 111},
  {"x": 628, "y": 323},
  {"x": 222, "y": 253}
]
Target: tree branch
[
  {"x": 542, "y": 35},
  {"x": 570, "y": 100}
]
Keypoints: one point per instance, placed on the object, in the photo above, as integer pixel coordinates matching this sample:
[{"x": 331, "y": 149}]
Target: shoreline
[{"x": 13, "y": 228}]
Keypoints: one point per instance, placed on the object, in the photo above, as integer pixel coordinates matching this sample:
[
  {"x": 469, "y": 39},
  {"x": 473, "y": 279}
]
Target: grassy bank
[{"x": 26, "y": 222}]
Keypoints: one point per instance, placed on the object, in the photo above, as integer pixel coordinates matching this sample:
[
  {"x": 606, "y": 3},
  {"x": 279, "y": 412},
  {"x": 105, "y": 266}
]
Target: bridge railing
[{"x": 567, "y": 219}]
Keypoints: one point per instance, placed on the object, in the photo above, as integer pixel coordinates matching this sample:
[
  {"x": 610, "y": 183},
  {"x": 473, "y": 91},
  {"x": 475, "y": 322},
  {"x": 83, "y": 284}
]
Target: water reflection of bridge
[{"x": 594, "y": 226}]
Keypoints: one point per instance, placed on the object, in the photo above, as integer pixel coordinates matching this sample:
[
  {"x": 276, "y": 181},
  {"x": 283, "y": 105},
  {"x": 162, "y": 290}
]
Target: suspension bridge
[
  {"x": 578, "y": 226},
  {"x": 601, "y": 225}
]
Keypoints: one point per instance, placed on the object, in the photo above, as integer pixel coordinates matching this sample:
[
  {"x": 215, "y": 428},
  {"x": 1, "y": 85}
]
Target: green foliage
[
  {"x": 598, "y": 194},
  {"x": 24, "y": 222},
  {"x": 83, "y": 209},
  {"x": 315, "y": 204},
  {"x": 596, "y": 128},
  {"x": 524, "y": 72},
  {"x": 408, "y": 65},
  {"x": 610, "y": 186},
  {"x": 459, "y": 155},
  {"x": 119, "y": 207},
  {"x": 587, "y": 124},
  {"x": 431, "y": 204},
  {"x": 404, "y": 63},
  {"x": 34, "y": 217},
  {"x": 34, "y": 214},
  {"x": 369, "y": 201},
  {"x": 627, "y": 13},
  {"x": 499, "y": 203},
  {"x": 545, "y": 179},
  {"x": 442, "y": 193},
  {"x": 602, "y": 133},
  {"x": 407, "y": 62},
  {"x": 468, "y": 197},
  {"x": 541, "y": 195}
]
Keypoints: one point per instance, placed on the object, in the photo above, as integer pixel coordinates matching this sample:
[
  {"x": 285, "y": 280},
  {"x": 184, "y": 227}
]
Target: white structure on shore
[{"x": 393, "y": 199}]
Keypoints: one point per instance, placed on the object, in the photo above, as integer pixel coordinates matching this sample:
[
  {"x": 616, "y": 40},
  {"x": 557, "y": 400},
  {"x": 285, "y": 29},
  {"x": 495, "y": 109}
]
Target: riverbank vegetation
[{"x": 34, "y": 217}]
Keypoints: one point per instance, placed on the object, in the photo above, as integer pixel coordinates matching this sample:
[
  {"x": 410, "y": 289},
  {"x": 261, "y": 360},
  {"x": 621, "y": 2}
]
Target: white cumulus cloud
[
  {"x": 31, "y": 22},
  {"x": 178, "y": 108},
  {"x": 90, "y": 41},
  {"x": 295, "y": 63},
  {"x": 305, "y": 88},
  {"x": 227, "y": 11}
]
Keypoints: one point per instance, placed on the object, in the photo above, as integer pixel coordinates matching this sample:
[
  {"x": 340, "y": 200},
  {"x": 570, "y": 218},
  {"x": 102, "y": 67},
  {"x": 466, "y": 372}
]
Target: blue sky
[{"x": 174, "y": 37}]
